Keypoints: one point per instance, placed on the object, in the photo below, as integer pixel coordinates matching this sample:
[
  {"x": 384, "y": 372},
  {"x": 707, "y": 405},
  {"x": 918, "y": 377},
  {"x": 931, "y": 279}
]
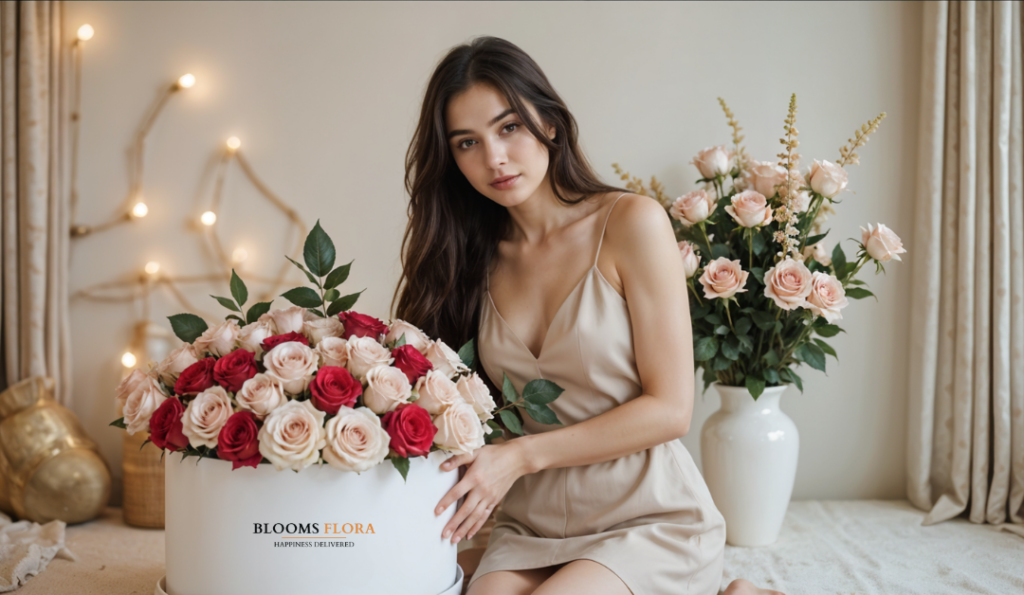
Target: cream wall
[{"x": 325, "y": 97}]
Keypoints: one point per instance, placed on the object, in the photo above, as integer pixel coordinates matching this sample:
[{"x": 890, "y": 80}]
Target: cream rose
[
  {"x": 252, "y": 335},
  {"x": 387, "y": 387},
  {"x": 788, "y": 284},
  {"x": 355, "y": 440},
  {"x": 436, "y": 392},
  {"x": 413, "y": 335},
  {"x": 750, "y": 209},
  {"x": 691, "y": 262},
  {"x": 141, "y": 402},
  {"x": 881, "y": 243},
  {"x": 129, "y": 383},
  {"x": 318, "y": 329},
  {"x": 205, "y": 416},
  {"x": 292, "y": 435},
  {"x": 827, "y": 179},
  {"x": 723, "y": 278},
  {"x": 459, "y": 429},
  {"x": 261, "y": 394},
  {"x": 219, "y": 340},
  {"x": 365, "y": 353},
  {"x": 286, "y": 320},
  {"x": 713, "y": 161},
  {"x": 827, "y": 296},
  {"x": 692, "y": 207},
  {"x": 333, "y": 351},
  {"x": 764, "y": 177},
  {"x": 474, "y": 392},
  {"x": 444, "y": 358},
  {"x": 176, "y": 361},
  {"x": 817, "y": 252},
  {"x": 292, "y": 364}
]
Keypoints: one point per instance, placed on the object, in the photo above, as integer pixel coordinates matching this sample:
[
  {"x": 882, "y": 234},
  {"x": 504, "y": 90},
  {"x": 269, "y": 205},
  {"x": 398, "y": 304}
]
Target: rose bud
[
  {"x": 334, "y": 388},
  {"x": 411, "y": 361},
  {"x": 411, "y": 430},
  {"x": 271, "y": 342},
  {"x": 165, "y": 426},
  {"x": 196, "y": 378},
  {"x": 361, "y": 325},
  {"x": 238, "y": 441},
  {"x": 232, "y": 370}
]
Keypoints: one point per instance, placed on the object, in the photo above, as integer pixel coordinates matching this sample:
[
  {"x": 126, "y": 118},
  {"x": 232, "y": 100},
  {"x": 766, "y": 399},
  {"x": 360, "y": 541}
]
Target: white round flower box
[{"x": 319, "y": 531}]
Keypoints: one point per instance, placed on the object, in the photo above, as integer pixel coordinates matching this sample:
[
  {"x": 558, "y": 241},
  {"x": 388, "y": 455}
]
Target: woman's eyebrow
[{"x": 493, "y": 121}]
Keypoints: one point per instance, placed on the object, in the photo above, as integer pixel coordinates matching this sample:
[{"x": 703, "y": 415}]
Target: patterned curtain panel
[
  {"x": 34, "y": 205},
  {"x": 966, "y": 404}
]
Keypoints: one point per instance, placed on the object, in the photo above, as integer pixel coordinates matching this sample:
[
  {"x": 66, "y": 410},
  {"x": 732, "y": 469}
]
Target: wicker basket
[{"x": 143, "y": 482}]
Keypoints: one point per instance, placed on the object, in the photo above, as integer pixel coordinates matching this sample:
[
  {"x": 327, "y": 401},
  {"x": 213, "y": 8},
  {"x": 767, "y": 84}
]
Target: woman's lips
[{"x": 506, "y": 184}]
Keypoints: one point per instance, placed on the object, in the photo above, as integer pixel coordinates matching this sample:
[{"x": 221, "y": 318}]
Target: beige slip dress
[{"x": 648, "y": 517}]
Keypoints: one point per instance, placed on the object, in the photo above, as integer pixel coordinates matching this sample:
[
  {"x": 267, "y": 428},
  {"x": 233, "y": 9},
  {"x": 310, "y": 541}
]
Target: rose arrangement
[
  {"x": 767, "y": 285},
  {"x": 317, "y": 383}
]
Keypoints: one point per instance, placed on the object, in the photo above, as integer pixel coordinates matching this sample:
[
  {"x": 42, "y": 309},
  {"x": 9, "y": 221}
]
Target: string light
[
  {"x": 152, "y": 267},
  {"x": 186, "y": 81},
  {"x": 85, "y": 32},
  {"x": 140, "y": 209},
  {"x": 208, "y": 218},
  {"x": 128, "y": 360},
  {"x": 239, "y": 255},
  {"x": 234, "y": 143}
]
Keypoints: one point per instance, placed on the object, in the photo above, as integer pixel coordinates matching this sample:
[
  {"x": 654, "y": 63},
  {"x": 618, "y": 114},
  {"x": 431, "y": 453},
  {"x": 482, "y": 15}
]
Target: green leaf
[
  {"x": 815, "y": 239},
  {"x": 400, "y": 342},
  {"x": 826, "y": 348},
  {"x": 187, "y": 327},
  {"x": 337, "y": 276},
  {"x": 791, "y": 376},
  {"x": 230, "y": 305},
  {"x": 743, "y": 325},
  {"x": 508, "y": 390},
  {"x": 331, "y": 294},
  {"x": 511, "y": 421},
  {"x": 838, "y": 261},
  {"x": 144, "y": 443},
  {"x": 258, "y": 309},
  {"x": 402, "y": 464},
  {"x": 705, "y": 349},
  {"x": 859, "y": 293},
  {"x": 813, "y": 355},
  {"x": 343, "y": 303},
  {"x": 303, "y": 296},
  {"x": 755, "y": 386},
  {"x": 699, "y": 312},
  {"x": 542, "y": 414},
  {"x": 855, "y": 282},
  {"x": 771, "y": 375},
  {"x": 731, "y": 351},
  {"x": 746, "y": 342},
  {"x": 764, "y": 320},
  {"x": 719, "y": 251},
  {"x": 758, "y": 273},
  {"x": 317, "y": 312},
  {"x": 771, "y": 358},
  {"x": 311, "y": 278},
  {"x": 238, "y": 289},
  {"x": 721, "y": 363},
  {"x": 318, "y": 252},
  {"x": 759, "y": 244},
  {"x": 722, "y": 330},
  {"x": 541, "y": 392},
  {"x": 714, "y": 319},
  {"x": 119, "y": 423},
  {"x": 828, "y": 330},
  {"x": 234, "y": 317},
  {"x": 467, "y": 353}
]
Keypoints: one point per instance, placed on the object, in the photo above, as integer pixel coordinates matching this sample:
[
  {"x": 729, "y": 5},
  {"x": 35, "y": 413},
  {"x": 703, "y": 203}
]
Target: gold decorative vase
[{"x": 49, "y": 468}]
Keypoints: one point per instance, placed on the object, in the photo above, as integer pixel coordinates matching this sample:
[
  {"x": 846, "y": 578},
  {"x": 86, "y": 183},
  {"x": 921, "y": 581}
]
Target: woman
[{"x": 513, "y": 240}]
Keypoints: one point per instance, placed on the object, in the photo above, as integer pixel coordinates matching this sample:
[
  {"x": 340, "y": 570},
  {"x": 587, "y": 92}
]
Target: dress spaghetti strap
[{"x": 607, "y": 217}]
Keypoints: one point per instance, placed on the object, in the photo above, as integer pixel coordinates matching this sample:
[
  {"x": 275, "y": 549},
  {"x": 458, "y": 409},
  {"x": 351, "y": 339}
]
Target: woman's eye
[
  {"x": 462, "y": 145},
  {"x": 511, "y": 124}
]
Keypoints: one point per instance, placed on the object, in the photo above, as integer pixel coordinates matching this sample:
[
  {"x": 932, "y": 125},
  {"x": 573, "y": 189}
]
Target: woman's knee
[{"x": 511, "y": 582}]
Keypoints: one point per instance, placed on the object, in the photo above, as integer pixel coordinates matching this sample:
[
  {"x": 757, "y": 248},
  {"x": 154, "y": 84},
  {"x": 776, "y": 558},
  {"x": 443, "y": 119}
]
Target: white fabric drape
[
  {"x": 34, "y": 207},
  {"x": 965, "y": 451}
]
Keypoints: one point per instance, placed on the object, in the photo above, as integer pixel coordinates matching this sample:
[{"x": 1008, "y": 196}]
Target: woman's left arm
[{"x": 647, "y": 259}]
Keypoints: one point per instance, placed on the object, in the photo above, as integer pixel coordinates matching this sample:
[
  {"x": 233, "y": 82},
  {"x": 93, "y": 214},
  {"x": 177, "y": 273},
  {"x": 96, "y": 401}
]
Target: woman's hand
[{"x": 490, "y": 474}]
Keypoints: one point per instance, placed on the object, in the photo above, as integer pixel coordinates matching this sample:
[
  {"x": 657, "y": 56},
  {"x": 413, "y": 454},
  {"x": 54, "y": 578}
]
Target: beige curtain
[
  {"x": 965, "y": 451},
  {"x": 34, "y": 224}
]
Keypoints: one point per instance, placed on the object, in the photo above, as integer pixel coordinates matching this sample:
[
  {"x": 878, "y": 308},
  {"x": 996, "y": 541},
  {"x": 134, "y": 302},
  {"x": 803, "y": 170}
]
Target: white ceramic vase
[{"x": 749, "y": 452}]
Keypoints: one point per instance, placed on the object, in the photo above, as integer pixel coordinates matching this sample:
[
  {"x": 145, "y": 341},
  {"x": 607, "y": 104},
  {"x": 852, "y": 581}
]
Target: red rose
[
  {"x": 232, "y": 370},
  {"x": 412, "y": 362},
  {"x": 237, "y": 441},
  {"x": 165, "y": 425},
  {"x": 410, "y": 428},
  {"x": 270, "y": 342},
  {"x": 361, "y": 325},
  {"x": 196, "y": 378},
  {"x": 333, "y": 388}
]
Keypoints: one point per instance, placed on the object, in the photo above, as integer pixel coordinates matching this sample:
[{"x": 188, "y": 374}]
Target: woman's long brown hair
[{"x": 453, "y": 230}]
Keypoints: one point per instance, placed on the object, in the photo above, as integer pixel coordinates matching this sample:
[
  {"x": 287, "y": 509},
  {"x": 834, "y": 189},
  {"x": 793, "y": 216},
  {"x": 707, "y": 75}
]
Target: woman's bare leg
[
  {"x": 583, "y": 577},
  {"x": 511, "y": 582},
  {"x": 742, "y": 586}
]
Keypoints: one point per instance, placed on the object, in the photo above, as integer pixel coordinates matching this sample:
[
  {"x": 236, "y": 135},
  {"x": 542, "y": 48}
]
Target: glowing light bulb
[
  {"x": 186, "y": 81},
  {"x": 208, "y": 218},
  {"x": 239, "y": 255},
  {"x": 152, "y": 267},
  {"x": 234, "y": 143},
  {"x": 128, "y": 359},
  {"x": 85, "y": 32},
  {"x": 140, "y": 209}
]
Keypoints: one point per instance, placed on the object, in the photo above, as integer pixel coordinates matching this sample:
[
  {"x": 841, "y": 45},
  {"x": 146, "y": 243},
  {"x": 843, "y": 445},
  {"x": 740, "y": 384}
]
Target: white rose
[
  {"x": 175, "y": 363},
  {"x": 764, "y": 177},
  {"x": 205, "y": 416},
  {"x": 365, "y": 353},
  {"x": 140, "y": 404},
  {"x": 713, "y": 161},
  {"x": 129, "y": 383},
  {"x": 286, "y": 320},
  {"x": 827, "y": 179},
  {"x": 881, "y": 243},
  {"x": 444, "y": 358},
  {"x": 319, "y": 328},
  {"x": 387, "y": 387},
  {"x": 692, "y": 207},
  {"x": 261, "y": 394},
  {"x": 827, "y": 296},
  {"x": 750, "y": 209},
  {"x": 292, "y": 435},
  {"x": 436, "y": 392},
  {"x": 333, "y": 351},
  {"x": 817, "y": 252},
  {"x": 691, "y": 262},
  {"x": 355, "y": 440},
  {"x": 474, "y": 392},
  {"x": 788, "y": 284},
  {"x": 219, "y": 340},
  {"x": 459, "y": 429},
  {"x": 292, "y": 364},
  {"x": 252, "y": 335},
  {"x": 413, "y": 335}
]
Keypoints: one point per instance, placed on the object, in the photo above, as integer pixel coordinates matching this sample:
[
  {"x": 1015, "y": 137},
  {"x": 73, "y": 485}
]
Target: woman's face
[{"x": 490, "y": 142}]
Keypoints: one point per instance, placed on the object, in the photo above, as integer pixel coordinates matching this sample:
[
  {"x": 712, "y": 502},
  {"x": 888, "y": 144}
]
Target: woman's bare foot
[{"x": 742, "y": 586}]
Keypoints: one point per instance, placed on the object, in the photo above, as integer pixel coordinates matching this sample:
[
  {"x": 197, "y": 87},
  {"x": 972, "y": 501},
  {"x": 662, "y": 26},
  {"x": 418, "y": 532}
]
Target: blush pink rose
[
  {"x": 827, "y": 179},
  {"x": 691, "y": 262},
  {"x": 692, "y": 207},
  {"x": 723, "y": 278},
  {"x": 764, "y": 177},
  {"x": 881, "y": 243},
  {"x": 788, "y": 284},
  {"x": 750, "y": 209},
  {"x": 827, "y": 296},
  {"x": 713, "y": 161}
]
